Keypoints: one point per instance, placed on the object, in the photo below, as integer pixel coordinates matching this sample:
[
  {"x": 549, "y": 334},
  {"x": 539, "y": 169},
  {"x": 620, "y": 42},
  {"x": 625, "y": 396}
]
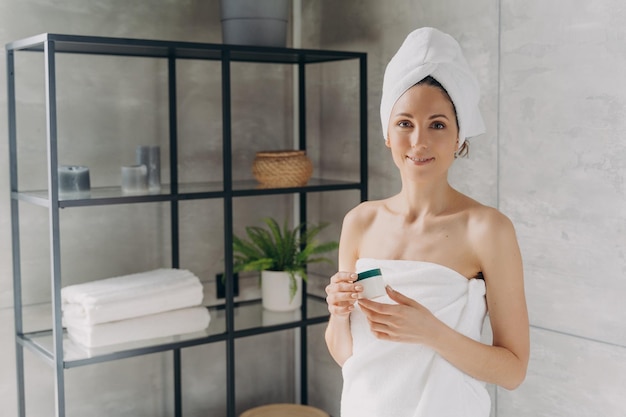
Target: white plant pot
[
  {"x": 275, "y": 291},
  {"x": 272, "y": 318}
]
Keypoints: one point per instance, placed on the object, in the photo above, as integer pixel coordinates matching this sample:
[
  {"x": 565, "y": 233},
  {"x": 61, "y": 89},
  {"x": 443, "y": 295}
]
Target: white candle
[
  {"x": 73, "y": 181},
  {"x": 134, "y": 179},
  {"x": 150, "y": 156}
]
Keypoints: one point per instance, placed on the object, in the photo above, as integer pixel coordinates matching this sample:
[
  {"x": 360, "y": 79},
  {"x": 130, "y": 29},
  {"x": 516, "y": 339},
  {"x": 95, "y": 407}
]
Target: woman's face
[{"x": 423, "y": 134}]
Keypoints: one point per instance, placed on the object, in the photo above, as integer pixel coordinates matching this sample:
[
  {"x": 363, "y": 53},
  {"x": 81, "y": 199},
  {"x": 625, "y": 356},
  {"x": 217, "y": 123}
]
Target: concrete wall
[
  {"x": 553, "y": 159},
  {"x": 563, "y": 182}
]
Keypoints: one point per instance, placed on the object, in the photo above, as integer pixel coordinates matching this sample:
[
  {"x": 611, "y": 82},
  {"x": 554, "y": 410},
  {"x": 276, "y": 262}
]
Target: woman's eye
[
  {"x": 438, "y": 125},
  {"x": 404, "y": 123}
]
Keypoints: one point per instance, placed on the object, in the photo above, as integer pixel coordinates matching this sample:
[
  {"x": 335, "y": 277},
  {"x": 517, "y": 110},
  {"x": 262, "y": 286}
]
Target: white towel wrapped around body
[
  {"x": 130, "y": 296},
  {"x": 170, "y": 323},
  {"x": 384, "y": 378}
]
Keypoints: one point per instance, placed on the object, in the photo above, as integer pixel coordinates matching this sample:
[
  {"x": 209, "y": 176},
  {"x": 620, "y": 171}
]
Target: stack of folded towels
[{"x": 146, "y": 305}]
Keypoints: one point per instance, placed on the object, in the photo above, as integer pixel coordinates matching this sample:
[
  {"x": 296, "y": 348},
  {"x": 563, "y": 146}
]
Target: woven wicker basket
[
  {"x": 284, "y": 410},
  {"x": 285, "y": 168}
]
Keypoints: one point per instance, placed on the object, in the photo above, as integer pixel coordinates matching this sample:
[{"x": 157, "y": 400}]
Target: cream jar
[{"x": 372, "y": 282}]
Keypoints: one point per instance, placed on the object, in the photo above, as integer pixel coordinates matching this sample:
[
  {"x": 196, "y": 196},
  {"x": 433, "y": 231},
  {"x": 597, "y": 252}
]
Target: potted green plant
[{"x": 281, "y": 254}]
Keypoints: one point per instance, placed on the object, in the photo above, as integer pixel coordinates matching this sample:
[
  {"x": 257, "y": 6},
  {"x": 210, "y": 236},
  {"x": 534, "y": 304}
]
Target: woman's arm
[
  {"x": 506, "y": 360},
  {"x": 342, "y": 293},
  {"x": 338, "y": 337},
  {"x": 497, "y": 248}
]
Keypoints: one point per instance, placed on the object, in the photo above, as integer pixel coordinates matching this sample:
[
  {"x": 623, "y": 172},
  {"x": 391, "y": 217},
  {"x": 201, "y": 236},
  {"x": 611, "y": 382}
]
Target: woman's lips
[{"x": 419, "y": 160}]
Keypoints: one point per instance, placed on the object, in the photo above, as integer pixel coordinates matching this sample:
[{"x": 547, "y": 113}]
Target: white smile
[{"x": 414, "y": 159}]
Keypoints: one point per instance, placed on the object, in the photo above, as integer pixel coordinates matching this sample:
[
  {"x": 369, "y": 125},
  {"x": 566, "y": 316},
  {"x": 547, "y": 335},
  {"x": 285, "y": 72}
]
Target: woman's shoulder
[
  {"x": 367, "y": 208},
  {"x": 486, "y": 222},
  {"x": 364, "y": 213}
]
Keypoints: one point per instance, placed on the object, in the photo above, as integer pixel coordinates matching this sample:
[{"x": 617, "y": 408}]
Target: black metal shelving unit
[{"x": 49, "y": 344}]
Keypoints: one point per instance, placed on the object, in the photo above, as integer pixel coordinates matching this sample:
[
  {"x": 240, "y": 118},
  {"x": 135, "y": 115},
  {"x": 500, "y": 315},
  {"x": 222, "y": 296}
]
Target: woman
[{"x": 446, "y": 259}]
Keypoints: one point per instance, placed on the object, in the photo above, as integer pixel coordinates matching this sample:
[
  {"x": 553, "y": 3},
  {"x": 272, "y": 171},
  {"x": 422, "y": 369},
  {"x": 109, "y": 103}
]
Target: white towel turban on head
[{"x": 428, "y": 51}]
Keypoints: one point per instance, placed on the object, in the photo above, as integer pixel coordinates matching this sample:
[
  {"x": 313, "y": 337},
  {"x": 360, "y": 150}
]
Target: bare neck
[{"x": 423, "y": 200}]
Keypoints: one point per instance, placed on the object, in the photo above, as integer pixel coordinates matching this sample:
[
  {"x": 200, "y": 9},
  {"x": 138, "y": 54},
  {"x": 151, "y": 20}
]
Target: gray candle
[
  {"x": 150, "y": 156},
  {"x": 135, "y": 179},
  {"x": 73, "y": 181}
]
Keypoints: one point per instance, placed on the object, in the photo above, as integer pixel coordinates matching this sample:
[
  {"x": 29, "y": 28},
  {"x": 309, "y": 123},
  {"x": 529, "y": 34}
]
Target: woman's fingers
[
  {"x": 342, "y": 293},
  {"x": 337, "y": 293},
  {"x": 406, "y": 321},
  {"x": 399, "y": 297},
  {"x": 343, "y": 277}
]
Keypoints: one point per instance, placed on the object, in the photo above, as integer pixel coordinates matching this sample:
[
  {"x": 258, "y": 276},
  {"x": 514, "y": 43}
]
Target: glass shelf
[
  {"x": 250, "y": 318},
  {"x": 114, "y": 195},
  {"x": 252, "y": 187}
]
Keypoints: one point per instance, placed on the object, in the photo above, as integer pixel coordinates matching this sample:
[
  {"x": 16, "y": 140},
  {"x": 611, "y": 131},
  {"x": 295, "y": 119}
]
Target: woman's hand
[
  {"x": 407, "y": 321},
  {"x": 342, "y": 293}
]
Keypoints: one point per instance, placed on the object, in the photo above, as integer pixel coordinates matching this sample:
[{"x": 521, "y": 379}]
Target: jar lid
[{"x": 368, "y": 274}]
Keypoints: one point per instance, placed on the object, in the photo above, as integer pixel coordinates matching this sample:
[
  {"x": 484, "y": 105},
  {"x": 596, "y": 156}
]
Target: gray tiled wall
[{"x": 563, "y": 183}]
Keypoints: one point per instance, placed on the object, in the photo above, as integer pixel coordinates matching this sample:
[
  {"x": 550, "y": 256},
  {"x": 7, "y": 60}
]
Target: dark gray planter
[{"x": 255, "y": 22}]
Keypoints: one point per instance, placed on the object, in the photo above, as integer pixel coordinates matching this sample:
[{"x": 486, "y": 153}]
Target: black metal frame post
[
  {"x": 228, "y": 233},
  {"x": 174, "y": 218},
  {"x": 173, "y": 149},
  {"x": 55, "y": 240},
  {"x": 15, "y": 236},
  {"x": 363, "y": 123},
  {"x": 304, "y": 393}
]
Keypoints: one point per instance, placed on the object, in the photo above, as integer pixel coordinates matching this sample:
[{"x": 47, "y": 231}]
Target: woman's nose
[{"x": 418, "y": 139}]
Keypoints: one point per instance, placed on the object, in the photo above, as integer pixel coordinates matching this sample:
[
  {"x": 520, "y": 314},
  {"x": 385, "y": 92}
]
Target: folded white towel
[
  {"x": 170, "y": 323},
  {"x": 384, "y": 378},
  {"x": 130, "y": 296}
]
